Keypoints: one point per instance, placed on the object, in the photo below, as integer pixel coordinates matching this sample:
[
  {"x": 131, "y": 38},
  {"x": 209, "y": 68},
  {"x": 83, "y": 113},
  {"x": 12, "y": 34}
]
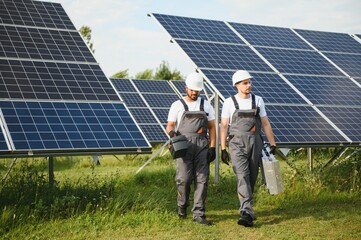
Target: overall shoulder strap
[
  {"x": 253, "y": 101},
  {"x": 235, "y": 102},
  {"x": 184, "y": 104},
  {"x": 201, "y": 107}
]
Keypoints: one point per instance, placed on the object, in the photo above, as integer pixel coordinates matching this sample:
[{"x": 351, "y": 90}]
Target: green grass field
[{"x": 110, "y": 201}]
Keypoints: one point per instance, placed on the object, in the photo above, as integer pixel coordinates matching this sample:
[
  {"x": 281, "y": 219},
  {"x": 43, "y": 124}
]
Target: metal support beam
[
  {"x": 51, "y": 171},
  {"x": 152, "y": 157},
  {"x": 216, "y": 162},
  {"x": 9, "y": 170},
  {"x": 310, "y": 159},
  {"x": 338, "y": 153}
]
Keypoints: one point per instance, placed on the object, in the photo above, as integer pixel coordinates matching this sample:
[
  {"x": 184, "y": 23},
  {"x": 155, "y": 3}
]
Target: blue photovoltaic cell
[
  {"x": 223, "y": 56},
  {"x": 258, "y": 35},
  {"x": 54, "y": 81},
  {"x": 301, "y": 125},
  {"x": 133, "y": 100},
  {"x": 143, "y": 116},
  {"x": 154, "y": 133},
  {"x": 332, "y": 42},
  {"x": 348, "y": 119},
  {"x": 350, "y": 63},
  {"x": 34, "y": 13},
  {"x": 328, "y": 90},
  {"x": 156, "y": 101},
  {"x": 138, "y": 108},
  {"x": 123, "y": 85},
  {"x": 197, "y": 29},
  {"x": 300, "y": 62},
  {"x": 162, "y": 114},
  {"x": 271, "y": 87},
  {"x": 153, "y": 86},
  {"x": 70, "y": 126},
  {"x": 3, "y": 145},
  {"x": 43, "y": 44}
]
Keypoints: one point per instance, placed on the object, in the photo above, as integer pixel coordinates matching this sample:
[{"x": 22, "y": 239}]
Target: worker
[
  {"x": 193, "y": 117},
  {"x": 245, "y": 113}
]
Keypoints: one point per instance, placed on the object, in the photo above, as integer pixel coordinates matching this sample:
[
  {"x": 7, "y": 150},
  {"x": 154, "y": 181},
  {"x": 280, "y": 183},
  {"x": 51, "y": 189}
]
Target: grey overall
[
  {"x": 195, "y": 165},
  {"x": 245, "y": 147}
]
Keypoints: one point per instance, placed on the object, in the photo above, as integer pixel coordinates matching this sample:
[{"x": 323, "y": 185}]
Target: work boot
[
  {"x": 245, "y": 220},
  {"x": 202, "y": 220},
  {"x": 182, "y": 213}
]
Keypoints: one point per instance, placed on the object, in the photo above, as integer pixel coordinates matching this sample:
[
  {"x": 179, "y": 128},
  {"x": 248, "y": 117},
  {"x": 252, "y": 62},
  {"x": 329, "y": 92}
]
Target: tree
[
  {"x": 164, "y": 73},
  {"x": 85, "y": 32},
  {"x": 146, "y": 74},
  {"x": 121, "y": 74}
]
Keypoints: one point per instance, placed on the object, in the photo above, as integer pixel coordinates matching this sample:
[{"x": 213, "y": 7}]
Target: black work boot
[
  {"x": 182, "y": 213},
  {"x": 245, "y": 220},
  {"x": 202, "y": 220}
]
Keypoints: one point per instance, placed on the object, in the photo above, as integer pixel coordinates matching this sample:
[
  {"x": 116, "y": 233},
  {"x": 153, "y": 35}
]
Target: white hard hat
[
  {"x": 240, "y": 75},
  {"x": 194, "y": 81}
]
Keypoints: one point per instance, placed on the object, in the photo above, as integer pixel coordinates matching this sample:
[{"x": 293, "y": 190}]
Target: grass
[{"x": 110, "y": 201}]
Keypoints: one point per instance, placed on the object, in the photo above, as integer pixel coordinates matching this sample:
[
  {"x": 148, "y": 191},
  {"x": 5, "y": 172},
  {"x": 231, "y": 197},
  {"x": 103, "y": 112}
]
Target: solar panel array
[
  {"x": 310, "y": 80},
  {"x": 149, "y": 102},
  {"x": 54, "y": 97}
]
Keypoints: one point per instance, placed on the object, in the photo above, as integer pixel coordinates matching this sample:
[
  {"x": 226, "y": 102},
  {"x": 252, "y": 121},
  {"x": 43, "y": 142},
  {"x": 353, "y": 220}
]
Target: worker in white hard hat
[
  {"x": 193, "y": 117},
  {"x": 245, "y": 113}
]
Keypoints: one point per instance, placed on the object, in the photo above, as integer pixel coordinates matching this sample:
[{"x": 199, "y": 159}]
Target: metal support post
[
  {"x": 310, "y": 159},
  {"x": 51, "y": 171}
]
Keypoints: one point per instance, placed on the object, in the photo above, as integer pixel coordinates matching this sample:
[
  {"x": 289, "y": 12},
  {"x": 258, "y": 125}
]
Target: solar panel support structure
[
  {"x": 216, "y": 162},
  {"x": 310, "y": 159},
  {"x": 152, "y": 157}
]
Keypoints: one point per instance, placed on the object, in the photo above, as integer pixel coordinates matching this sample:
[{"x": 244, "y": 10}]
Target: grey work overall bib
[
  {"x": 245, "y": 147},
  {"x": 195, "y": 165}
]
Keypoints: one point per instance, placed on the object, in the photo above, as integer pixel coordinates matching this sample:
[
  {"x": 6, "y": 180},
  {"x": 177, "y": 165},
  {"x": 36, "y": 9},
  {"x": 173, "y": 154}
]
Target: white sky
[{"x": 124, "y": 37}]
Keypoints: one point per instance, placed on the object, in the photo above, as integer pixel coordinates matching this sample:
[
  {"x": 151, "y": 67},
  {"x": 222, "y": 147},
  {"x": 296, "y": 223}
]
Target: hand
[
  {"x": 211, "y": 154},
  {"x": 273, "y": 150},
  {"x": 172, "y": 133},
  {"x": 225, "y": 156}
]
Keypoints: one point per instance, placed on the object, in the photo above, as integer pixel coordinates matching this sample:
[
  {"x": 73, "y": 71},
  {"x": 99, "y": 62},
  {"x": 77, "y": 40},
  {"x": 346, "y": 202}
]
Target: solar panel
[
  {"x": 327, "y": 90},
  {"x": 67, "y": 126},
  {"x": 294, "y": 79},
  {"x": 271, "y": 87},
  {"x": 348, "y": 119},
  {"x": 350, "y": 63},
  {"x": 54, "y": 97},
  {"x": 34, "y": 13},
  {"x": 270, "y": 36},
  {"x": 44, "y": 44},
  {"x": 143, "y": 114},
  {"x": 197, "y": 29},
  {"x": 299, "y": 62},
  {"x": 23, "y": 79},
  {"x": 223, "y": 56},
  {"x": 331, "y": 42},
  {"x": 301, "y": 125}
]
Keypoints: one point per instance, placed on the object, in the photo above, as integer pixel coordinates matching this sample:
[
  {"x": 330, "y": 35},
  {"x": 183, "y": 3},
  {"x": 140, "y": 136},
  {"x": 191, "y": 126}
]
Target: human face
[
  {"x": 244, "y": 87},
  {"x": 192, "y": 94}
]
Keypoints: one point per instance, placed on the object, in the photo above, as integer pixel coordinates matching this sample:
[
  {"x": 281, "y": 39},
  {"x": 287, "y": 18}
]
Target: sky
[{"x": 124, "y": 37}]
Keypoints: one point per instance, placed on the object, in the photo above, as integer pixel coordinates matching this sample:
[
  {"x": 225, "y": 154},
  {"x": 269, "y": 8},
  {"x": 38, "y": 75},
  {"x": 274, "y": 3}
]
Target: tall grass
[{"x": 95, "y": 201}]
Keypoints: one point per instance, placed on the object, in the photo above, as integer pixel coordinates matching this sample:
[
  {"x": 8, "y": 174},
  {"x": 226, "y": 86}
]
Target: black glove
[
  {"x": 225, "y": 156},
  {"x": 272, "y": 149},
  {"x": 172, "y": 133},
  {"x": 211, "y": 154}
]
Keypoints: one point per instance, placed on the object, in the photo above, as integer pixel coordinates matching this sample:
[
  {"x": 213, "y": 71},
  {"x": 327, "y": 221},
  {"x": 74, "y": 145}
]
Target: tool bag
[
  {"x": 271, "y": 171},
  {"x": 178, "y": 146}
]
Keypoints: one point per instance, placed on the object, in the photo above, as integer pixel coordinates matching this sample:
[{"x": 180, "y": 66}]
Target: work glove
[
  {"x": 172, "y": 134},
  {"x": 225, "y": 156},
  {"x": 273, "y": 150},
  {"x": 211, "y": 155}
]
